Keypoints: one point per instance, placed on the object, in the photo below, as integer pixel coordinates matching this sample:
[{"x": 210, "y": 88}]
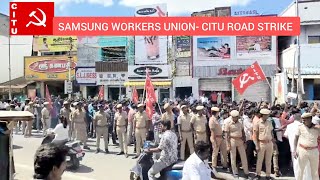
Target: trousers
[
  {"x": 311, "y": 156},
  {"x": 140, "y": 135},
  {"x": 156, "y": 168},
  {"x": 238, "y": 144},
  {"x": 102, "y": 131},
  {"x": 201, "y": 137},
  {"x": 265, "y": 152},
  {"x": 219, "y": 145},
  {"x": 122, "y": 137},
  {"x": 186, "y": 138}
]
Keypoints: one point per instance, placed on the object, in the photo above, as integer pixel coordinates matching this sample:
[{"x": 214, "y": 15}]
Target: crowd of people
[{"x": 283, "y": 136}]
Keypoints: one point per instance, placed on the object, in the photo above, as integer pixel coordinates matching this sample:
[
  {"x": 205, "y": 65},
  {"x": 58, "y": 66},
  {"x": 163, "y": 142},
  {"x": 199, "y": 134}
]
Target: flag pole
[{"x": 144, "y": 88}]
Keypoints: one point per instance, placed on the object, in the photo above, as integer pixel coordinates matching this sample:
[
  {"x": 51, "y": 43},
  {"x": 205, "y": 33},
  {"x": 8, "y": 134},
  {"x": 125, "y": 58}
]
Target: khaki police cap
[
  {"x": 306, "y": 115},
  {"x": 119, "y": 106},
  {"x": 199, "y": 108},
  {"x": 46, "y": 103},
  {"x": 140, "y": 105},
  {"x": 234, "y": 113},
  {"x": 183, "y": 106},
  {"x": 216, "y": 109},
  {"x": 265, "y": 111}
]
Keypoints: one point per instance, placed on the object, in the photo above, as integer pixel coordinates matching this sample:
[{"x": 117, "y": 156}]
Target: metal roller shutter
[
  {"x": 255, "y": 92},
  {"x": 218, "y": 84}
]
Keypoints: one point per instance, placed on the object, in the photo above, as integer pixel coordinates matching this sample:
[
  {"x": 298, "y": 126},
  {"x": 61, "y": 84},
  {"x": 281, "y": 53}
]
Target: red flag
[
  {"x": 150, "y": 94},
  {"x": 249, "y": 77},
  {"x": 101, "y": 93},
  {"x": 48, "y": 97},
  {"x": 149, "y": 109},
  {"x": 135, "y": 97}
]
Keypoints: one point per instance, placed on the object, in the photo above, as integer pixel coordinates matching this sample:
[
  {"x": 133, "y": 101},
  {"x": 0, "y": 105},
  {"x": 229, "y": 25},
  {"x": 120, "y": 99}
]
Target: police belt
[
  {"x": 308, "y": 148},
  {"x": 102, "y": 126},
  {"x": 236, "y": 138},
  {"x": 121, "y": 125},
  {"x": 265, "y": 141},
  {"x": 140, "y": 127},
  {"x": 203, "y": 132}
]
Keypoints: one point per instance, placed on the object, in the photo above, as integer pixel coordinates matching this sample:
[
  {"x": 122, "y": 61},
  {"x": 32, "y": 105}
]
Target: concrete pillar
[
  {"x": 42, "y": 89},
  {"x": 84, "y": 91},
  {"x": 106, "y": 92},
  {"x": 128, "y": 92},
  {"x": 195, "y": 87}
]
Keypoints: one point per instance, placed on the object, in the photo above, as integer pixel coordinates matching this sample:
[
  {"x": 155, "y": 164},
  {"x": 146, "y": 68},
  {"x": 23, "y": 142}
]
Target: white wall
[
  {"x": 312, "y": 30},
  {"x": 308, "y": 11},
  {"x": 20, "y": 46}
]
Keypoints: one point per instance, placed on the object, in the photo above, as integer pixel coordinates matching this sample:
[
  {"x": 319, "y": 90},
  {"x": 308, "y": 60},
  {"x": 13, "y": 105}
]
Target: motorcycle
[
  {"x": 75, "y": 153},
  {"x": 145, "y": 162}
]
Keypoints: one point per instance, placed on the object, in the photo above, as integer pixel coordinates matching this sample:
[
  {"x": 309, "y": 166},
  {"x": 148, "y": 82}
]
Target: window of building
[
  {"x": 313, "y": 39},
  {"x": 113, "y": 53}
]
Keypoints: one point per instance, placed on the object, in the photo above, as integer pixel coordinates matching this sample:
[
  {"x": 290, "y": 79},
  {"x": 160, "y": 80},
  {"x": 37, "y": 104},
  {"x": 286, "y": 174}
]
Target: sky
[{"x": 175, "y": 7}]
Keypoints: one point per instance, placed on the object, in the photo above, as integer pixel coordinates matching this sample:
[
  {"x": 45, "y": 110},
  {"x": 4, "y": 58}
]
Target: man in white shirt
[
  {"x": 290, "y": 133},
  {"x": 196, "y": 167}
]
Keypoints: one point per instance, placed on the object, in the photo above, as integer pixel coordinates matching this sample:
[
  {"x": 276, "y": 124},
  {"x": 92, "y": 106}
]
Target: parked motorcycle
[
  {"x": 75, "y": 153},
  {"x": 145, "y": 162}
]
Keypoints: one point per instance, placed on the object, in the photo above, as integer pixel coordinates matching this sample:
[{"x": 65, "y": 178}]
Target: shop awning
[{"x": 142, "y": 83}]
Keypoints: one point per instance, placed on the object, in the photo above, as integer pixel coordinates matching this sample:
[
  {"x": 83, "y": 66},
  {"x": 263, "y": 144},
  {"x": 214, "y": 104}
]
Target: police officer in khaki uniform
[
  {"x": 306, "y": 146},
  {"x": 80, "y": 125},
  {"x": 199, "y": 125},
  {"x": 46, "y": 118},
  {"x": 217, "y": 140},
  {"x": 140, "y": 126},
  {"x": 28, "y": 130},
  {"x": 235, "y": 140},
  {"x": 101, "y": 121},
  {"x": 185, "y": 131},
  {"x": 168, "y": 115},
  {"x": 121, "y": 120},
  {"x": 65, "y": 111},
  {"x": 263, "y": 131}
]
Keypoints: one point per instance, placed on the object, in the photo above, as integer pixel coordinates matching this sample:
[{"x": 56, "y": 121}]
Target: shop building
[
  {"x": 151, "y": 52},
  {"x": 309, "y": 51},
  {"x": 218, "y": 60}
]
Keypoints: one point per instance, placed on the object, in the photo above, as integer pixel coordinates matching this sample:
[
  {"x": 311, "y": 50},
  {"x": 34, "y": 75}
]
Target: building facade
[{"x": 309, "y": 51}]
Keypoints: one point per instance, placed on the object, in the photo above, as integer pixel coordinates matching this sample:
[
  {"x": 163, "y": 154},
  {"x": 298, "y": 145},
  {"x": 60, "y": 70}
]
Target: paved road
[{"x": 94, "y": 166}]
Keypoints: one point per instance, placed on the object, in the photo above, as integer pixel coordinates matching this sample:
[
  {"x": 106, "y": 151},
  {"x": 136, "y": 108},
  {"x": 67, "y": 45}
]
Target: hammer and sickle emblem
[
  {"x": 40, "y": 22},
  {"x": 244, "y": 79}
]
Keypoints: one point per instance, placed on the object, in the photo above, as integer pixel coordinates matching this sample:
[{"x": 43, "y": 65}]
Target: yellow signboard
[
  {"x": 46, "y": 68},
  {"x": 55, "y": 43}
]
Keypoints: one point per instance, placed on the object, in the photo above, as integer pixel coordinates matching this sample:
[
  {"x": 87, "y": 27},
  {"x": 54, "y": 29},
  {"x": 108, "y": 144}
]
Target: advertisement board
[
  {"x": 151, "y": 49},
  {"x": 213, "y": 48},
  {"x": 86, "y": 75},
  {"x": 111, "y": 78},
  {"x": 248, "y": 47},
  {"x": 155, "y": 71},
  {"x": 54, "y": 43},
  {"x": 183, "y": 46},
  {"x": 44, "y": 68}
]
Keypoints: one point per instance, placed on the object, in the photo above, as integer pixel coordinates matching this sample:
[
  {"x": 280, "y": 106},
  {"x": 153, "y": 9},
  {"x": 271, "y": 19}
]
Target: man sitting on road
[
  {"x": 168, "y": 148},
  {"x": 50, "y": 162},
  {"x": 195, "y": 168}
]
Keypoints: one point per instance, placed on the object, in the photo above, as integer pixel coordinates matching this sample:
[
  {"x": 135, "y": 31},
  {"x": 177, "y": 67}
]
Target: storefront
[
  {"x": 51, "y": 71},
  {"x": 113, "y": 82},
  {"x": 86, "y": 80},
  {"x": 159, "y": 76},
  {"x": 216, "y": 86}
]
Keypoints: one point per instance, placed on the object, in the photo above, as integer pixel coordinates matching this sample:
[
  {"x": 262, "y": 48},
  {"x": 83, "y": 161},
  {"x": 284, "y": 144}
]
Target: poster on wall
[
  {"x": 213, "y": 48},
  {"x": 151, "y": 49},
  {"x": 183, "y": 46},
  {"x": 54, "y": 43},
  {"x": 280, "y": 88},
  {"x": 249, "y": 47}
]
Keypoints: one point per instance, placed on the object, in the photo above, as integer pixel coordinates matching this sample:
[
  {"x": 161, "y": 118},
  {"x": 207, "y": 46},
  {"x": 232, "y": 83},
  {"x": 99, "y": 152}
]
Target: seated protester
[
  {"x": 61, "y": 131},
  {"x": 168, "y": 148},
  {"x": 50, "y": 162},
  {"x": 196, "y": 167}
]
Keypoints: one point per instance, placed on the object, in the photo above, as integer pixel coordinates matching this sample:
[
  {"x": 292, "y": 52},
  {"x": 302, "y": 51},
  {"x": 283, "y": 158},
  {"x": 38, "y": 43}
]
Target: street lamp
[{"x": 9, "y": 43}]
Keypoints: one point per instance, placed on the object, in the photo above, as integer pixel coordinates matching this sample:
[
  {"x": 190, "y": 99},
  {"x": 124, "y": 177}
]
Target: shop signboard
[
  {"x": 86, "y": 75},
  {"x": 54, "y": 43},
  {"x": 46, "y": 68},
  {"x": 183, "y": 46},
  {"x": 154, "y": 71},
  {"x": 111, "y": 78}
]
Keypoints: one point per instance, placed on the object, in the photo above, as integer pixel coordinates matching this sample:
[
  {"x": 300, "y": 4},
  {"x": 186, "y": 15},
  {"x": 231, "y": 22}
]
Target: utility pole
[
  {"x": 9, "y": 61},
  {"x": 299, "y": 82},
  {"x": 70, "y": 64}
]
